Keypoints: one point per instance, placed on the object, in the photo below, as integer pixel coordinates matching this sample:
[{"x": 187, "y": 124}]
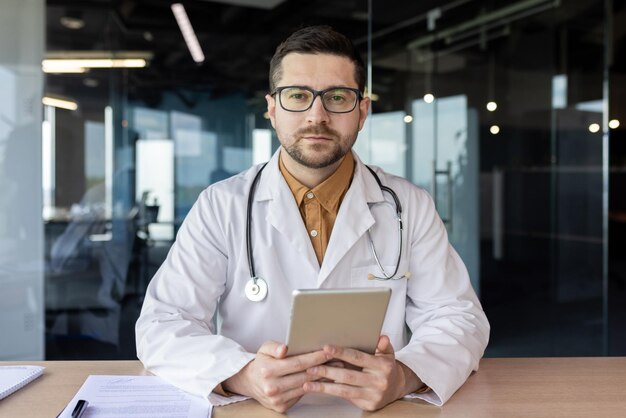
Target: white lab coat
[{"x": 197, "y": 328}]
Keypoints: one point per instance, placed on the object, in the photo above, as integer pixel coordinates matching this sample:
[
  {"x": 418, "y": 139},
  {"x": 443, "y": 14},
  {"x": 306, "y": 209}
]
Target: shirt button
[
  {"x": 310, "y": 195},
  {"x": 313, "y": 233}
]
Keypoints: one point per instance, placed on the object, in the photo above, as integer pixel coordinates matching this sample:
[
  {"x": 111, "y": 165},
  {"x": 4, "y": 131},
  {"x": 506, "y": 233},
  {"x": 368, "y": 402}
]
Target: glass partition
[
  {"x": 505, "y": 104},
  {"x": 21, "y": 232},
  {"x": 503, "y": 111},
  {"x": 129, "y": 160}
]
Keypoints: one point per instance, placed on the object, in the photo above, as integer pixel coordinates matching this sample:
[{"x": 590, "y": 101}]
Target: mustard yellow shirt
[{"x": 319, "y": 206}]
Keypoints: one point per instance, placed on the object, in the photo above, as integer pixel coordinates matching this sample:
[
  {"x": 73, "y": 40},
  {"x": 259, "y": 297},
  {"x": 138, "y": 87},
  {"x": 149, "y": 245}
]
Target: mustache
[{"x": 319, "y": 130}]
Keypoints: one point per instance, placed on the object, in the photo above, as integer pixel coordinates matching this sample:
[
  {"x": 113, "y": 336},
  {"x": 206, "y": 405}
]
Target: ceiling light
[
  {"x": 614, "y": 124},
  {"x": 188, "y": 33},
  {"x": 72, "y": 65},
  {"x": 491, "y": 106},
  {"x": 95, "y": 63},
  {"x": 429, "y": 98},
  {"x": 91, "y": 82},
  {"x": 495, "y": 129},
  {"x": 60, "y": 69},
  {"x": 80, "y": 61},
  {"x": 408, "y": 119},
  {"x": 73, "y": 20},
  {"x": 60, "y": 103},
  {"x": 594, "y": 127}
]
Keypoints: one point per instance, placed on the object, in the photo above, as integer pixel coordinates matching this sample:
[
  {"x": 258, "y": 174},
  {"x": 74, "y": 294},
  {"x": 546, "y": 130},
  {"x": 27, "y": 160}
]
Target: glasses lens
[
  {"x": 339, "y": 100},
  {"x": 295, "y": 98}
]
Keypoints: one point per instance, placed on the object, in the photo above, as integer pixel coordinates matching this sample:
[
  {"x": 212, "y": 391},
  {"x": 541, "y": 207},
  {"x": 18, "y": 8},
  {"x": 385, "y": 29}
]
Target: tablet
[{"x": 343, "y": 317}]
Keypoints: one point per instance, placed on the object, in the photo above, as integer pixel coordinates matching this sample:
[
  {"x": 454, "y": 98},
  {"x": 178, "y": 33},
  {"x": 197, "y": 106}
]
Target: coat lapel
[
  {"x": 353, "y": 220},
  {"x": 282, "y": 213}
]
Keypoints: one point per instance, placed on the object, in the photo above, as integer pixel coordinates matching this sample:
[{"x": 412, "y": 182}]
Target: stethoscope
[{"x": 256, "y": 287}]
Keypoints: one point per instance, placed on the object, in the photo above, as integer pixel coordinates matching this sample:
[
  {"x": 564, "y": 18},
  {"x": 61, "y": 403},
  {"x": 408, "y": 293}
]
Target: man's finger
[
  {"x": 284, "y": 401},
  {"x": 343, "y": 375},
  {"x": 335, "y": 389},
  {"x": 336, "y": 363},
  {"x": 273, "y": 349},
  {"x": 301, "y": 362},
  {"x": 351, "y": 356},
  {"x": 292, "y": 381},
  {"x": 384, "y": 346}
]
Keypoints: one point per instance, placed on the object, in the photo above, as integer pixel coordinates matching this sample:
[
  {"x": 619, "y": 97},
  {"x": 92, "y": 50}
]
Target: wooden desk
[{"x": 503, "y": 388}]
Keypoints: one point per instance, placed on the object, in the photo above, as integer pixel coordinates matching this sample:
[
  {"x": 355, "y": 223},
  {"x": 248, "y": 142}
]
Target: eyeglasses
[{"x": 334, "y": 99}]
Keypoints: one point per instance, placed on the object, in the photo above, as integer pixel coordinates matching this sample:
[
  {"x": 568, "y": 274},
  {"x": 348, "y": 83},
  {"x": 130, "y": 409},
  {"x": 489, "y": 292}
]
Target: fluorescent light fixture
[
  {"x": 70, "y": 65},
  {"x": 61, "y": 69},
  {"x": 81, "y": 61},
  {"x": 71, "y": 22},
  {"x": 188, "y": 33},
  {"x": 60, "y": 103}
]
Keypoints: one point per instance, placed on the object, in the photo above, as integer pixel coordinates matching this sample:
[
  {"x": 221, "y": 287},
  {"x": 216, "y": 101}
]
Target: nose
[{"x": 317, "y": 114}]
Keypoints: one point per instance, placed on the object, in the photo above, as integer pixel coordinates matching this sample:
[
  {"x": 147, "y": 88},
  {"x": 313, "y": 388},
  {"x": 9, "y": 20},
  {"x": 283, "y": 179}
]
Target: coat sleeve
[
  {"x": 176, "y": 331},
  {"x": 449, "y": 328}
]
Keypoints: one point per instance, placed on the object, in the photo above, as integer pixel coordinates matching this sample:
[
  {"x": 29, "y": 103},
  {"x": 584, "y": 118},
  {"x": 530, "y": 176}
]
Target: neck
[{"x": 310, "y": 177}]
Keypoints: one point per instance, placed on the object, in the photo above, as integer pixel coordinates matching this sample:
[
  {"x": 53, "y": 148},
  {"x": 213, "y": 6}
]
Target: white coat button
[
  {"x": 310, "y": 195},
  {"x": 313, "y": 233}
]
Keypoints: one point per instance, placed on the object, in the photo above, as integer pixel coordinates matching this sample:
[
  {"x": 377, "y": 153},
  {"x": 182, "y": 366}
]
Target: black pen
[{"x": 80, "y": 407}]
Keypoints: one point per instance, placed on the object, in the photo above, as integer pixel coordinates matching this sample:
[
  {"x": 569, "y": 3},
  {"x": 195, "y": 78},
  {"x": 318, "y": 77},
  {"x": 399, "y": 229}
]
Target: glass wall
[
  {"x": 503, "y": 110},
  {"x": 21, "y": 231},
  {"x": 506, "y": 116}
]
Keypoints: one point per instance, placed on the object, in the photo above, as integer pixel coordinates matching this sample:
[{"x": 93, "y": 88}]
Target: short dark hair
[{"x": 317, "y": 40}]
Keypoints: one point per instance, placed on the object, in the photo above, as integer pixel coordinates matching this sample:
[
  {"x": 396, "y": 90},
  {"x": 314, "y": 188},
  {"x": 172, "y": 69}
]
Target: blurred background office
[{"x": 115, "y": 114}]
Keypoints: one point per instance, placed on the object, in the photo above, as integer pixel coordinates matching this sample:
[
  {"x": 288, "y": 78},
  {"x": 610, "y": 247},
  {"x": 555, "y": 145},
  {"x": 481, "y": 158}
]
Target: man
[{"x": 310, "y": 215}]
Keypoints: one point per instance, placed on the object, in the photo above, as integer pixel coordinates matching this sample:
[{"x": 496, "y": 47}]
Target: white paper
[
  {"x": 136, "y": 396},
  {"x": 13, "y": 378}
]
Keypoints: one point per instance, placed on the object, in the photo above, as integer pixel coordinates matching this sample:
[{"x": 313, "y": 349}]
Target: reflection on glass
[
  {"x": 154, "y": 187},
  {"x": 445, "y": 163},
  {"x": 382, "y": 142}
]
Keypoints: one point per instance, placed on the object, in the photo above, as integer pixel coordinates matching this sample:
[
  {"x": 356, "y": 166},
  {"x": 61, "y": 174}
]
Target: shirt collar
[{"x": 330, "y": 191}]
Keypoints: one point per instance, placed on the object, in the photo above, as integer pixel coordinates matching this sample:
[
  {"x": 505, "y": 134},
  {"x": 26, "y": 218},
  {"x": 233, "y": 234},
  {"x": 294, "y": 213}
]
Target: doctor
[{"x": 315, "y": 211}]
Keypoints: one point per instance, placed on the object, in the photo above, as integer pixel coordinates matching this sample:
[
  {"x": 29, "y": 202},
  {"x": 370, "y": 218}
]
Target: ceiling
[
  {"x": 238, "y": 38},
  {"x": 237, "y": 41}
]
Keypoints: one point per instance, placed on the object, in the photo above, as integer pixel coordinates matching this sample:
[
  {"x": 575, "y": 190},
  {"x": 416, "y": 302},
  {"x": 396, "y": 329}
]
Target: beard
[{"x": 319, "y": 155}]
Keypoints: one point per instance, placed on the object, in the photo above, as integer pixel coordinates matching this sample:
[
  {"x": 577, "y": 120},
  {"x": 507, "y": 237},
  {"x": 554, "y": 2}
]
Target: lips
[
  {"x": 319, "y": 133},
  {"x": 317, "y": 138}
]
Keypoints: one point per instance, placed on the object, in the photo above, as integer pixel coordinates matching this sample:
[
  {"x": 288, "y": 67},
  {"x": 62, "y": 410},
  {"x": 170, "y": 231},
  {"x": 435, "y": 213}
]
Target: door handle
[{"x": 447, "y": 220}]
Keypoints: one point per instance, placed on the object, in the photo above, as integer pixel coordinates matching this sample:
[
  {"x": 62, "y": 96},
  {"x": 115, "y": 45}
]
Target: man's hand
[
  {"x": 381, "y": 380},
  {"x": 273, "y": 379}
]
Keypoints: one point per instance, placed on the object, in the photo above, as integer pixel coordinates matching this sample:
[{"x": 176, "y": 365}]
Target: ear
[
  {"x": 364, "y": 106},
  {"x": 271, "y": 109}
]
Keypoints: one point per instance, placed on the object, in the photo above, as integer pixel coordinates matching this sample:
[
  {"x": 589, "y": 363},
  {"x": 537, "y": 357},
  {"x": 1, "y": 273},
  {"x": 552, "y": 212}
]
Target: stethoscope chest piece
[{"x": 256, "y": 290}]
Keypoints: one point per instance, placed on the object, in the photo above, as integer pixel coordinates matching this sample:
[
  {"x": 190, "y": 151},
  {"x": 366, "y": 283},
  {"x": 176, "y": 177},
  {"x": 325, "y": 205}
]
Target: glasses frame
[{"x": 316, "y": 93}]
